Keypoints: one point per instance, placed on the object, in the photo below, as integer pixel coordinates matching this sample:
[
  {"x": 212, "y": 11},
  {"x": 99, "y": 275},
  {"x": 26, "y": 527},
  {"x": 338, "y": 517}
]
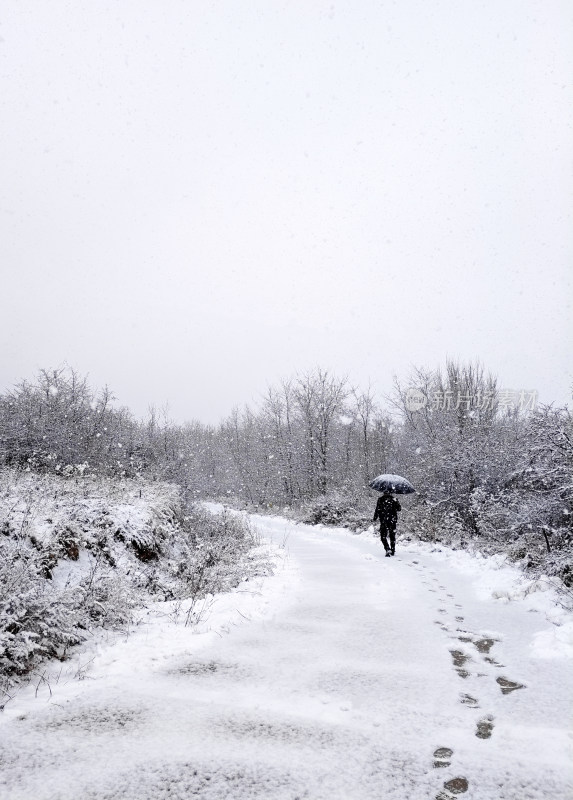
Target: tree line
[{"x": 481, "y": 467}]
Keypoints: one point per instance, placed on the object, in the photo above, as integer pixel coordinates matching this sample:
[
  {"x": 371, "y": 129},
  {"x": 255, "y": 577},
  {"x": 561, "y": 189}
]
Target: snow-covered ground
[{"x": 346, "y": 676}]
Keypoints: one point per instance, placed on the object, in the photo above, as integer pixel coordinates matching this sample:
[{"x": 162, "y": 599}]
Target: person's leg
[
  {"x": 393, "y": 541},
  {"x": 384, "y": 539}
]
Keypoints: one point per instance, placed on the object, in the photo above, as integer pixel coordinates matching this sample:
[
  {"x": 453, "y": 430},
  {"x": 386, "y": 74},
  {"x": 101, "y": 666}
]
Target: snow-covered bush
[
  {"x": 216, "y": 555},
  {"x": 420, "y": 521},
  {"x": 34, "y": 622},
  {"x": 336, "y": 508},
  {"x": 77, "y": 554},
  {"x": 39, "y": 619}
]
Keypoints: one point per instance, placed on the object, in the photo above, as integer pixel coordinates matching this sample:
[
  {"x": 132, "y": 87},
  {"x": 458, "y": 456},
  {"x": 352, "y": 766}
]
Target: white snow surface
[{"x": 334, "y": 678}]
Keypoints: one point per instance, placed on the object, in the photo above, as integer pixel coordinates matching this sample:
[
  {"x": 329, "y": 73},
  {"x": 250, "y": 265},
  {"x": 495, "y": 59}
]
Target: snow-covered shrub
[
  {"x": 77, "y": 554},
  {"x": 494, "y": 515},
  {"x": 39, "y": 619},
  {"x": 336, "y": 508},
  {"x": 214, "y": 554},
  {"x": 419, "y": 521}
]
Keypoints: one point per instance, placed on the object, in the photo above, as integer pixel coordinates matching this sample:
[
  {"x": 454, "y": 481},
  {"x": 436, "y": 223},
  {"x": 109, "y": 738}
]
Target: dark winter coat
[{"x": 387, "y": 508}]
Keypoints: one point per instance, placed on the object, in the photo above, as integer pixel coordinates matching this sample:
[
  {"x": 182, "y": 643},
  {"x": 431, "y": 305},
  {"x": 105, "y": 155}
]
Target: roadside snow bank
[
  {"x": 555, "y": 642},
  {"x": 163, "y": 634},
  {"x": 81, "y": 554}
]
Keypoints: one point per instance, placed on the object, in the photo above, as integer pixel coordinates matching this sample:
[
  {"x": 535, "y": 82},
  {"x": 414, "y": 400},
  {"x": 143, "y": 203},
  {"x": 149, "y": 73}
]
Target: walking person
[{"x": 387, "y": 508}]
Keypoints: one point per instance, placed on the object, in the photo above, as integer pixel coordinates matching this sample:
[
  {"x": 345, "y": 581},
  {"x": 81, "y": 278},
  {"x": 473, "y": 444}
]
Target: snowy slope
[{"x": 346, "y": 675}]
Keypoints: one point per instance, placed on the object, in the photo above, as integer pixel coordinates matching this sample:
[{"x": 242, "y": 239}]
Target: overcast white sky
[{"x": 200, "y": 198}]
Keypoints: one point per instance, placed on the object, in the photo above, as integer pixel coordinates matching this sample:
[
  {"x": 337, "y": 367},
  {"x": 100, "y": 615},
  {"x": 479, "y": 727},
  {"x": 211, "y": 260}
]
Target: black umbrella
[{"x": 395, "y": 484}]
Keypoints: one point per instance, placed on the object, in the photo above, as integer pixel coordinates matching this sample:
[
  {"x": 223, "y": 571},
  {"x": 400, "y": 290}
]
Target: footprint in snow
[
  {"x": 453, "y": 787},
  {"x": 460, "y": 660},
  {"x": 485, "y": 728},
  {"x": 468, "y": 700},
  {"x": 484, "y": 645},
  {"x": 442, "y": 757},
  {"x": 508, "y": 686}
]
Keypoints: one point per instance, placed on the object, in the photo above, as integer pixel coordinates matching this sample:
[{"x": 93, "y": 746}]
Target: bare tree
[
  {"x": 365, "y": 410},
  {"x": 320, "y": 400}
]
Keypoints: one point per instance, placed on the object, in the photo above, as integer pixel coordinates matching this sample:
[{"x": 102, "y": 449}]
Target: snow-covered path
[{"x": 363, "y": 677}]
